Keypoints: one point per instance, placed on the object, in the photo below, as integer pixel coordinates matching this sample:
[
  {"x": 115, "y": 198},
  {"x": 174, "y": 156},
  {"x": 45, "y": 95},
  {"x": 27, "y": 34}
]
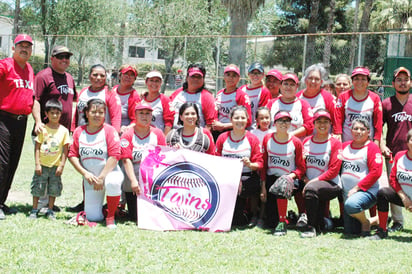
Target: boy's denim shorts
[{"x": 46, "y": 181}]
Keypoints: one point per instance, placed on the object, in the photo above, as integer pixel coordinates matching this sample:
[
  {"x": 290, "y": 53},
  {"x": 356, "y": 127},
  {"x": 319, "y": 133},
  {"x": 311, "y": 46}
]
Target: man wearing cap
[
  {"x": 397, "y": 114},
  {"x": 16, "y": 102},
  {"x": 273, "y": 82},
  {"x": 55, "y": 82}
]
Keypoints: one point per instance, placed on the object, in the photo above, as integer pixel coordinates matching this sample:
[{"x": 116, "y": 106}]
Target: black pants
[
  {"x": 388, "y": 195},
  {"x": 12, "y": 133},
  {"x": 317, "y": 194},
  {"x": 271, "y": 206}
]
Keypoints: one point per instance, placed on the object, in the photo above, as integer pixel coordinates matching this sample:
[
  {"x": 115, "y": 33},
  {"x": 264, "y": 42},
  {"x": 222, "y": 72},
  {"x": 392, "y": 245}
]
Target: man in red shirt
[{"x": 16, "y": 102}]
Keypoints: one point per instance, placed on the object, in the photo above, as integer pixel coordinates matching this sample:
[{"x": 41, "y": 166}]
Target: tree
[
  {"x": 199, "y": 18},
  {"x": 240, "y": 12}
]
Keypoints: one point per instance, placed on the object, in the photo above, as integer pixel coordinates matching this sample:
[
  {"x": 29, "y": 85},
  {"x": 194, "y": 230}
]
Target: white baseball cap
[{"x": 154, "y": 74}]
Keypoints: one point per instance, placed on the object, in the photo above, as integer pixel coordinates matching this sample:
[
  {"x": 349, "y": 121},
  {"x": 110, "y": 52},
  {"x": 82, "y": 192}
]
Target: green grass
[{"x": 46, "y": 246}]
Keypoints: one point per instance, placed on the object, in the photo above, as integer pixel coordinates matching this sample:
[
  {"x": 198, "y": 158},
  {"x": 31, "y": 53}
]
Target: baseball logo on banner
[{"x": 182, "y": 189}]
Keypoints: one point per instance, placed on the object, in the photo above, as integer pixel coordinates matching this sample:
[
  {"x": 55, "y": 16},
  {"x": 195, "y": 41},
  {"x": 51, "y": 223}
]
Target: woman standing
[
  {"x": 322, "y": 181},
  {"x": 359, "y": 102},
  {"x": 191, "y": 136},
  {"x": 300, "y": 110},
  {"x": 193, "y": 91},
  {"x": 282, "y": 155},
  {"x": 240, "y": 143},
  {"x": 228, "y": 98},
  {"x": 162, "y": 115},
  {"x": 361, "y": 169},
  {"x": 94, "y": 154},
  {"x": 128, "y": 96},
  {"x": 98, "y": 89},
  {"x": 342, "y": 83},
  {"x": 133, "y": 143},
  {"x": 259, "y": 95}
]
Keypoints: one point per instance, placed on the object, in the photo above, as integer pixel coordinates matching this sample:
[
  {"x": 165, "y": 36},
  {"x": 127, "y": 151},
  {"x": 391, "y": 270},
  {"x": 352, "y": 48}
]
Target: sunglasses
[{"x": 62, "y": 56}]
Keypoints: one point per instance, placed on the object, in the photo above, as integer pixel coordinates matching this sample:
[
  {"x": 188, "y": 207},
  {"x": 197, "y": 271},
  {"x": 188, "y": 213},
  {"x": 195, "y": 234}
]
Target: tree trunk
[
  {"x": 44, "y": 31},
  {"x": 354, "y": 39},
  {"x": 312, "y": 27},
  {"x": 237, "y": 48},
  {"x": 328, "y": 41},
  {"x": 119, "y": 58},
  {"x": 364, "y": 26}
]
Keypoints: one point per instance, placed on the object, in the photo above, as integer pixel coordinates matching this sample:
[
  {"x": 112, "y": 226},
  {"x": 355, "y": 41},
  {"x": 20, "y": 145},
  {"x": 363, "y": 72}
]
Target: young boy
[{"x": 51, "y": 148}]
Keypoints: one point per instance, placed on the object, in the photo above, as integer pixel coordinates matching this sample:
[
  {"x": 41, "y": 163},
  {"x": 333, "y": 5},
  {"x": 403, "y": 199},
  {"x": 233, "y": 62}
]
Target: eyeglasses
[
  {"x": 400, "y": 80},
  {"x": 255, "y": 73},
  {"x": 283, "y": 121},
  {"x": 62, "y": 56}
]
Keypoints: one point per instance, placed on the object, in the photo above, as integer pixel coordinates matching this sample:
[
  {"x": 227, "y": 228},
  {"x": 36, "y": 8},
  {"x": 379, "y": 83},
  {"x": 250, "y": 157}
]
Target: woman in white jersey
[
  {"x": 360, "y": 171},
  {"x": 133, "y": 143},
  {"x": 94, "y": 154},
  {"x": 128, "y": 96},
  {"x": 399, "y": 190},
  {"x": 163, "y": 114}
]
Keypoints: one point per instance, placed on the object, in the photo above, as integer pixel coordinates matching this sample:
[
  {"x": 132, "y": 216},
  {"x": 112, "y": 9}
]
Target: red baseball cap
[
  {"x": 360, "y": 71},
  {"x": 141, "y": 106},
  {"x": 282, "y": 114},
  {"x": 320, "y": 114},
  {"x": 290, "y": 76},
  {"x": 399, "y": 70},
  {"x": 275, "y": 73},
  {"x": 195, "y": 71},
  {"x": 23, "y": 38},
  {"x": 127, "y": 69},
  {"x": 233, "y": 68}
]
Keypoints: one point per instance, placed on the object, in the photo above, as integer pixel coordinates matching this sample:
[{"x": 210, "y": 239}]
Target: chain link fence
[{"x": 340, "y": 53}]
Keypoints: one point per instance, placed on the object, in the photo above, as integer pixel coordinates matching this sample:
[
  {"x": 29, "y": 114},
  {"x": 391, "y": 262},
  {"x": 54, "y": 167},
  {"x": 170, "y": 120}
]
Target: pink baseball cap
[
  {"x": 275, "y": 73},
  {"x": 233, "y": 68},
  {"x": 23, "y": 38},
  {"x": 320, "y": 114},
  {"x": 195, "y": 71},
  {"x": 141, "y": 106},
  {"x": 282, "y": 114},
  {"x": 360, "y": 71},
  {"x": 127, "y": 69},
  {"x": 290, "y": 76}
]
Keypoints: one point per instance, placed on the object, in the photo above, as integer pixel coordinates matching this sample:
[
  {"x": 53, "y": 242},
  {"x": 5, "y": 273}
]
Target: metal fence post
[
  {"x": 217, "y": 64},
  {"x": 360, "y": 50},
  {"x": 305, "y": 44}
]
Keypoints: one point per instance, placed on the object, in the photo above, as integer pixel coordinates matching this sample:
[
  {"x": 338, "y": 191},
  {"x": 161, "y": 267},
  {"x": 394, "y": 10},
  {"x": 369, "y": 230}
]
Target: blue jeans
[{"x": 358, "y": 202}]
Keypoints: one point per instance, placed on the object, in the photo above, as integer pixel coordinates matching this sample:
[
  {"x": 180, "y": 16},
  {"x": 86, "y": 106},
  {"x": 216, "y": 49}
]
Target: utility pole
[{"x": 16, "y": 17}]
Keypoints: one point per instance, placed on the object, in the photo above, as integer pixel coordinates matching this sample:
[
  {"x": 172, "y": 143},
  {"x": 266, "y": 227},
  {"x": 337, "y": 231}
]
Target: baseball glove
[{"x": 282, "y": 187}]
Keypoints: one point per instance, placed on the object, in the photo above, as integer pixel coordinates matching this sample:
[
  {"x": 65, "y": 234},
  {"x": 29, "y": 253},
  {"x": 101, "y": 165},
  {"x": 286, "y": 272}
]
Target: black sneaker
[
  {"x": 9, "y": 210},
  {"x": 302, "y": 221},
  {"x": 33, "y": 214},
  {"x": 51, "y": 215},
  {"x": 77, "y": 208},
  {"x": 2, "y": 215},
  {"x": 310, "y": 232},
  {"x": 396, "y": 227},
  {"x": 379, "y": 235}
]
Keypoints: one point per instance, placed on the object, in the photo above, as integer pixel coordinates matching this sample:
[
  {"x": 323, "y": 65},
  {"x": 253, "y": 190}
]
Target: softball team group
[{"x": 328, "y": 143}]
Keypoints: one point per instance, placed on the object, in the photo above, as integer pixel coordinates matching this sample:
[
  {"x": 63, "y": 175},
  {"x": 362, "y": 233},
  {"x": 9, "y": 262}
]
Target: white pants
[{"x": 93, "y": 200}]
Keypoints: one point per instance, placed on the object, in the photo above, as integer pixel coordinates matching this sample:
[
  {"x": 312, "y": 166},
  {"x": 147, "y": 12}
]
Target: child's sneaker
[
  {"x": 50, "y": 215},
  {"x": 33, "y": 214},
  {"x": 110, "y": 223}
]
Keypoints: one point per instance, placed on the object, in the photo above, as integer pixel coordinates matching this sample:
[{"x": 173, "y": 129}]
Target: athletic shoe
[
  {"x": 260, "y": 223},
  {"x": 77, "y": 208},
  {"x": 280, "y": 229},
  {"x": 396, "y": 226},
  {"x": 110, "y": 223},
  {"x": 9, "y": 210},
  {"x": 50, "y": 215},
  {"x": 292, "y": 217},
  {"x": 310, "y": 232},
  {"x": 366, "y": 233},
  {"x": 302, "y": 221},
  {"x": 33, "y": 214},
  {"x": 253, "y": 222},
  {"x": 2, "y": 215},
  {"x": 379, "y": 235}
]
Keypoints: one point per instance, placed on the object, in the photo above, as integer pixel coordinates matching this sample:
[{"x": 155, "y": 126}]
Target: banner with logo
[{"x": 183, "y": 189}]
